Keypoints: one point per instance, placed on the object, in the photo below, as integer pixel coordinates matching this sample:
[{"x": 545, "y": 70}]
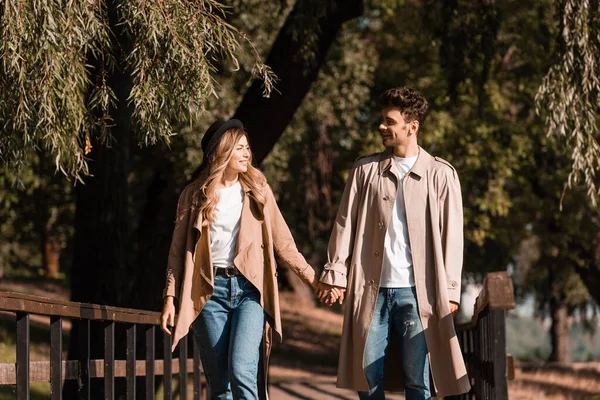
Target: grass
[
  {"x": 39, "y": 336},
  {"x": 37, "y": 391}
]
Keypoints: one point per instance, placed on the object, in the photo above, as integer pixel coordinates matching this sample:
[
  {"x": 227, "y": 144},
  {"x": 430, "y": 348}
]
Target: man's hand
[
  {"x": 453, "y": 307},
  {"x": 167, "y": 317},
  {"x": 328, "y": 294}
]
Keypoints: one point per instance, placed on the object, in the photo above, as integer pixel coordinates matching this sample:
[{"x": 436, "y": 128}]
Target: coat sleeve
[
  {"x": 341, "y": 241},
  {"x": 176, "y": 259},
  {"x": 451, "y": 227},
  {"x": 283, "y": 242}
]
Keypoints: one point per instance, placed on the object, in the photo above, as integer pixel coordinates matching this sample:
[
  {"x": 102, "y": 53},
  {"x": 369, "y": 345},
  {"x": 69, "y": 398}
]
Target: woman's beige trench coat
[
  {"x": 435, "y": 229},
  {"x": 263, "y": 232}
]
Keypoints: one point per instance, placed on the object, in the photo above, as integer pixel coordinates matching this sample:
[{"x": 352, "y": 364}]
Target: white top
[
  {"x": 224, "y": 230},
  {"x": 397, "y": 268}
]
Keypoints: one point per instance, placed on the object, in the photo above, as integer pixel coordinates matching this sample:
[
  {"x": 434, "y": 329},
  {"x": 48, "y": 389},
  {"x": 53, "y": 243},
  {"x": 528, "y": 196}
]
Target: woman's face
[{"x": 240, "y": 157}]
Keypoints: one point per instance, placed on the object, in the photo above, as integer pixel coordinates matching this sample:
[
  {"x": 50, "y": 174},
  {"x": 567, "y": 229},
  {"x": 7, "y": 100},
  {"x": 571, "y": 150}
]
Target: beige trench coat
[
  {"x": 435, "y": 229},
  {"x": 263, "y": 232}
]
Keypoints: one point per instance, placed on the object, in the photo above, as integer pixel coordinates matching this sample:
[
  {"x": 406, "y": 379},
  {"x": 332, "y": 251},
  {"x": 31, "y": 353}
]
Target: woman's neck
[{"x": 229, "y": 179}]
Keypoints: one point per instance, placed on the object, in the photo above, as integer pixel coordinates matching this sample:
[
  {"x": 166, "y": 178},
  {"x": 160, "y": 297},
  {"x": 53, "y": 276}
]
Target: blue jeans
[
  {"x": 397, "y": 308},
  {"x": 229, "y": 331}
]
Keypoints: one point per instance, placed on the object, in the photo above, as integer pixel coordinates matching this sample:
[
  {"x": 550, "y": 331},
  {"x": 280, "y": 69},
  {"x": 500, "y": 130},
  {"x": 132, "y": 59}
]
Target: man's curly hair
[{"x": 409, "y": 101}]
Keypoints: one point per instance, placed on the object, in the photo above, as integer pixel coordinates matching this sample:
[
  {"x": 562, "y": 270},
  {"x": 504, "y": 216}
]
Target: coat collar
[
  {"x": 248, "y": 191},
  {"x": 419, "y": 169}
]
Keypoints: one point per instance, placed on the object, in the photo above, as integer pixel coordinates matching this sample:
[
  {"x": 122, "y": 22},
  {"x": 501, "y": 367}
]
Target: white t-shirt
[
  {"x": 224, "y": 230},
  {"x": 397, "y": 268}
]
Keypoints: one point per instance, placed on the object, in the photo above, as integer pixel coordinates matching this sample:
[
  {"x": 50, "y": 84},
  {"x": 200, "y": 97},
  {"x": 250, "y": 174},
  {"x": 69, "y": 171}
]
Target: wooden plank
[
  {"x": 131, "y": 362},
  {"x": 56, "y": 365},
  {"x": 22, "y": 356},
  {"x": 197, "y": 373},
  {"x": 183, "y": 356},
  {"x": 498, "y": 356},
  {"x": 83, "y": 342},
  {"x": 497, "y": 293},
  {"x": 109, "y": 360},
  {"x": 19, "y": 302},
  {"x": 39, "y": 371},
  {"x": 168, "y": 364},
  {"x": 510, "y": 362},
  {"x": 8, "y": 374},
  {"x": 150, "y": 362}
]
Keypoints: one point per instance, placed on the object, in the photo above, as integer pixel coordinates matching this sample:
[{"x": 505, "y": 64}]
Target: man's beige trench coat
[
  {"x": 435, "y": 229},
  {"x": 263, "y": 232}
]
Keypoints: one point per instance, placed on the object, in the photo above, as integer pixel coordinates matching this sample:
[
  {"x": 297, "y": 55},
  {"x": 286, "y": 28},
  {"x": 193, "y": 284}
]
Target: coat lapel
[
  {"x": 415, "y": 189},
  {"x": 250, "y": 227}
]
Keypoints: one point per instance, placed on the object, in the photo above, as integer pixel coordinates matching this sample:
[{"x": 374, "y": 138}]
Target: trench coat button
[
  {"x": 372, "y": 282},
  {"x": 386, "y": 197},
  {"x": 262, "y": 246},
  {"x": 453, "y": 284},
  {"x": 276, "y": 273},
  {"x": 376, "y": 254},
  {"x": 380, "y": 225}
]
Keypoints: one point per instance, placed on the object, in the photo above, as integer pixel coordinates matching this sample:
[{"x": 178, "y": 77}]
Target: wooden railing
[
  {"x": 56, "y": 370},
  {"x": 483, "y": 340}
]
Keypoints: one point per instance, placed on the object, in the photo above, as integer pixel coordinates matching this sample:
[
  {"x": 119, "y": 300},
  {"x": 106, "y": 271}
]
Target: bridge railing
[
  {"x": 56, "y": 371},
  {"x": 483, "y": 340}
]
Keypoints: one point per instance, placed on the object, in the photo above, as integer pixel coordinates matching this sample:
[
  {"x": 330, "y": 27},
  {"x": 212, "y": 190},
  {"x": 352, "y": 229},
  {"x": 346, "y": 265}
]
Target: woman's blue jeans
[
  {"x": 229, "y": 331},
  {"x": 397, "y": 308}
]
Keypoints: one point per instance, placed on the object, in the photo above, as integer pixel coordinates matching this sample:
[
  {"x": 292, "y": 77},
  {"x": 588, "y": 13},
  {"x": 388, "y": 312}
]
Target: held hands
[
  {"x": 328, "y": 294},
  {"x": 167, "y": 317}
]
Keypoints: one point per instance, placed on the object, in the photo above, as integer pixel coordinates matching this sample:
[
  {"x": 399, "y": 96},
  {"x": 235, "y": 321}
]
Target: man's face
[{"x": 394, "y": 129}]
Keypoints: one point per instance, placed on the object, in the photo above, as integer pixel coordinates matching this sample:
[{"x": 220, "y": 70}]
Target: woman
[{"x": 222, "y": 268}]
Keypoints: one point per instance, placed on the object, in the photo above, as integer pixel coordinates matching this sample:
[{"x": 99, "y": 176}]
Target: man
[{"x": 397, "y": 247}]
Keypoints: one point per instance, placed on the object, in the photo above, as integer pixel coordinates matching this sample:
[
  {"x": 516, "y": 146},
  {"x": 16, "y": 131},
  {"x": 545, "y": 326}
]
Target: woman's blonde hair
[{"x": 206, "y": 194}]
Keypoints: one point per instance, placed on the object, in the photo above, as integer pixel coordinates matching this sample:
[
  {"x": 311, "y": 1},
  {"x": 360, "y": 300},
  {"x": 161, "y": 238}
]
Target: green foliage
[
  {"x": 173, "y": 66},
  {"x": 569, "y": 96},
  {"x": 44, "y": 80},
  {"x": 58, "y": 62},
  {"x": 480, "y": 82}
]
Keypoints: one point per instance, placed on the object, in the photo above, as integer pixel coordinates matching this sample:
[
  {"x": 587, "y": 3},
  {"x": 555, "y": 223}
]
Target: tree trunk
[
  {"x": 101, "y": 267},
  {"x": 559, "y": 332},
  {"x": 154, "y": 230},
  {"x": 51, "y": 256},
  {"x": 49, "y": 246},
  {"x": 317, "y": 178},
  {"x": 316, "y": 212},
  {"x": 266, "y": 118}
]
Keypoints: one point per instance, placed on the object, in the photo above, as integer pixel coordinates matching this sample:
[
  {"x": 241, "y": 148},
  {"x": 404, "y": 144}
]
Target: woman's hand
[
  {"x": 167, "y": 317},
  {"x": 328, "y": 294}
]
